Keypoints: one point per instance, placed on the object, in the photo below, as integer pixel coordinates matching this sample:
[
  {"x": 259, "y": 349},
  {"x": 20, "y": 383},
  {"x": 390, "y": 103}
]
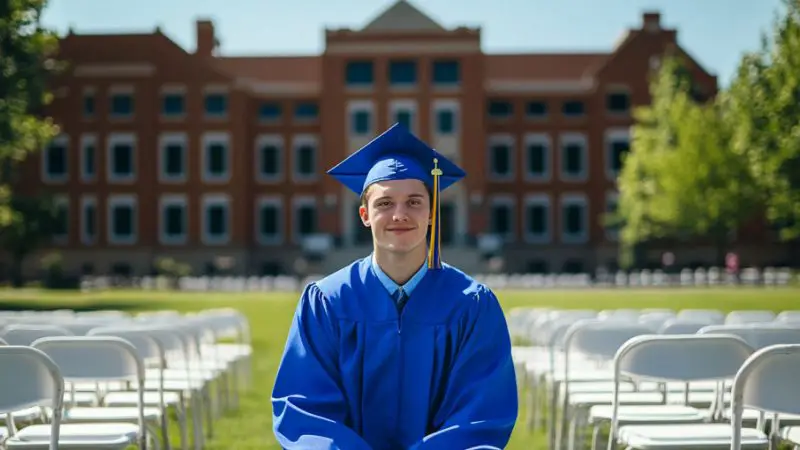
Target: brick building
[{"x": 217, "y": 160}]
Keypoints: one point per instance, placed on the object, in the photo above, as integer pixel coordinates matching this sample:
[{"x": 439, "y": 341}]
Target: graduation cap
[{"x": 397, "y": 154}]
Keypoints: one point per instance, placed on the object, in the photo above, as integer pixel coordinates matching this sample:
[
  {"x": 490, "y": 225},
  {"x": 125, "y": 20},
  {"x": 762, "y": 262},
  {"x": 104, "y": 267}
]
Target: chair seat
[
  {"x": 625, "y": 398},
  {"x": 106, "y": 436},
  {"x": 750, "y": 416},
  {"x": 791, "y": 434},
  {"x": 131, "y": 399},
  {"x": 596, "y": 387},
  {"x": 181, "y": 374},
  {"x": 174, "y": 385},
  {"x": 101, "y": 414},
  {"x": 689, "y": 436},
  {"x": 24, "y": 415},
  {"x": 648, "y": 414},
  {"x": 3, "y": 433}
]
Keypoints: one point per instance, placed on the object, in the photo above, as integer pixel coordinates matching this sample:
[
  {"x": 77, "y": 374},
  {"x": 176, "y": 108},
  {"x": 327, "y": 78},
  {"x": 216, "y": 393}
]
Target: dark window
[
  {"x": 89, "y": 220},
  {"x": 619, "y": 150},
  {"x": 501, "y": 219},
  {"x": 306, "y": 164},
  {"x": 446, "y": 72},
  {"x": 56, "y": 160},
  {"x": 88, "y": 105},
  {"x": 122, "y": 159},
  {"x": 574, "y": 219},
  {"x": 500, "y": 109},
  {"x": 217, "y": 160},
  {"x": 359, "y": 73},
  {"x": 573, "y": 108},
  {"x": 361, "y": 122},
  {"x": 307, "y": 220},
  {"x": 122, "y": 218},
  {"x": 618, "y": 102},
  {"x": 536, "y": 109},
  {"x": 89, "y": 160},
  {"x": 402, "y": 72},
  {"x": 269, "y": 220},
  {"x": 216, "y": 216},
  {"x": 121, "y": 104},
  {"x": 537, "y": 219},
  {"x": 270, "y": 160},
  {"x": 537, "y": 159},
  {"x": 173, "y": 160},
  {"x": 269, "y": 111},
  {"x": 573, "y": 159},
  {"x": 173, "y": 105},
  {"x": 501, "y": 159},
  {"x": 445, "y": 121},
  {"x": 174, "y": 220},
  {"x": 216, "y": 104},
  {"x": 306, "y": 111}
]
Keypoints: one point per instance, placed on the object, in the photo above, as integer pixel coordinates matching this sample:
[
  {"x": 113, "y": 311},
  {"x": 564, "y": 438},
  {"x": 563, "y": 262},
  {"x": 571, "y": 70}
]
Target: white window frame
[
  {"x": 62, "y": 201},
  {"x": 165, "y": 201},
  {"x": 126, "y": 89},
  {"x": 298, "y": 202},
  {"x": 547, "y": 141},
  {"x": 216, "y": 137},
  {"x": 509, "y": 201},
  {"x": 572, "y": 200},
  {"x": 129, "y": 200},
  {"x": 208, "y": 201},
  {"x": 573, "y": 138},
  {"x": 164, "y": 140},
  {"x": 452, "y": 105},
  {"x": 88, "y": 139},
  {"x": 88, "y": 200},
  {"x": 405, "y": 105},
  {"x": 611, "y": 197},
  {"x": 277, "y": 141},
  {"x": 502, "y": 139},
  {"x": 171, "y": 89},
  {"x": 62, "y": 140},
  {"x": 538, "y": 200},
  {"x": 613, "y": 135},
  {"x": 274, "y": 201},
  {"x": 121, "y": 138},
  {"x": 355, "y": 106},
  {"x": 298, "y": 141}
]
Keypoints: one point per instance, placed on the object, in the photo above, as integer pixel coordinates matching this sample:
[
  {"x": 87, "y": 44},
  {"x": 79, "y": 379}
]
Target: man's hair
[{"x": 366, "y": 191}]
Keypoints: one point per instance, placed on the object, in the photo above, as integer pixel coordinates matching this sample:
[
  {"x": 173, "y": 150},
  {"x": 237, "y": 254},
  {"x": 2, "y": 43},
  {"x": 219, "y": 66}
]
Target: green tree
[
  {"x": 681, "y": 179},
  {"x": 33, "y": 222},
  {"x": 764, "y": 113}
]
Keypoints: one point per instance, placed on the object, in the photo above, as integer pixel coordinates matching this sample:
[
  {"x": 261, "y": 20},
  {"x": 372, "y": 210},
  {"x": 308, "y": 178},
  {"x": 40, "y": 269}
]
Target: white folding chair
[
  {"x": 768, "y": 382},
  {"x": 749, "y": 316},
  {"x": 29, "y": 378},
  {"x": 594, "y": 342},
  {"x": 682, "y": 326},
  {"x": 25, "y": 334},
  {"x": 713, "y": 316},
  {"x": 758, "y": 335},
  {"x": 679, "y": 358},
  {"x": 83, "y": 359}
]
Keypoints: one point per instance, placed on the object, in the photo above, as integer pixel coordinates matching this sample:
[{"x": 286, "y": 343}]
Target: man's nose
[{"x": 400, "y": 213}]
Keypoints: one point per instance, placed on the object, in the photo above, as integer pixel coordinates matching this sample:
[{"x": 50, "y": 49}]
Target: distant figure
[
  {"x": 397, "y": 350},
  {"x": 732, "y": 265}
]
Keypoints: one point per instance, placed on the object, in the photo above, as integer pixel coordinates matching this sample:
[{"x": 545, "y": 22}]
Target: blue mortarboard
[{"x": 397, "y": 154}]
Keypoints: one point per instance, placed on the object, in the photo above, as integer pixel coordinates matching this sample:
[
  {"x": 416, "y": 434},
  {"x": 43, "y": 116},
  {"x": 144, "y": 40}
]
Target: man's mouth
[{"x": 399, "y": 230}]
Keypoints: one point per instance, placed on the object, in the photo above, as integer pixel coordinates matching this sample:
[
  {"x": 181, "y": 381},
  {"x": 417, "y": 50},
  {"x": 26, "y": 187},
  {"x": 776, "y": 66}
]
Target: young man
[{"x": 397, "y": 350}]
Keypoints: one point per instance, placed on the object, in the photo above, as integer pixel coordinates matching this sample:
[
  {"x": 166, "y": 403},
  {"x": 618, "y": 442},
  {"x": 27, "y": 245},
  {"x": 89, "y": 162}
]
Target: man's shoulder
[
  {"x": 341, "y": 281},
  {"x": 457, "y": 280}
]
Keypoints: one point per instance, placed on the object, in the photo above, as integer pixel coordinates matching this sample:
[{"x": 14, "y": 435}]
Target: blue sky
[{"x": 716, "y": 32}]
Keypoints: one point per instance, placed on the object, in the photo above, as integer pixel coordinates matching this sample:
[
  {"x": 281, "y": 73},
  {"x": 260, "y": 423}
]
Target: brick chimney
[
  {"x": 206, "y": 41},
  {"x": 651, "y": 21}
]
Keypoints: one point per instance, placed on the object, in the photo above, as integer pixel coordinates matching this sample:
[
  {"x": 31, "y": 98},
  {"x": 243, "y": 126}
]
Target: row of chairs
[
  {"x": 660, "y": 379},
  {"x": 108, "y": 379}
]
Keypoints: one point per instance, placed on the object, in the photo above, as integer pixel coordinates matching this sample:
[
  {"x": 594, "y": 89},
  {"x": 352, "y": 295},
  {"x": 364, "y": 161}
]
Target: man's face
[{"x": 398, "y": 212}]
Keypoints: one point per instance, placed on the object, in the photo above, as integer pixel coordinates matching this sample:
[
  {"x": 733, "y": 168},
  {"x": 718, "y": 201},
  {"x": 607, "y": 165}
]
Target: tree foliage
[
  {"x": 681, "y": 177},
  {"x": 27, "y": 53},
  {"x": 33, "y": 220},
  {"x": 764, "y": 112}
]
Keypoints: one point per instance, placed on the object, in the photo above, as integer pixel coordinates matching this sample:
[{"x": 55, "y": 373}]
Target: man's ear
[{"x": 364, "y": 214}]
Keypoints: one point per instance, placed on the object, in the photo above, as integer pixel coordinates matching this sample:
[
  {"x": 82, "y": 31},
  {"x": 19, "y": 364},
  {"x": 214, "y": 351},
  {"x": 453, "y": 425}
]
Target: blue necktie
[{"x": 400, "y": 298}]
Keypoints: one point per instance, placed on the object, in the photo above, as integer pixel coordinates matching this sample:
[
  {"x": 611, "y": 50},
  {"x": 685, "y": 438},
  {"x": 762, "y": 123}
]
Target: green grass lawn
[{"x": 269, "y": 315}]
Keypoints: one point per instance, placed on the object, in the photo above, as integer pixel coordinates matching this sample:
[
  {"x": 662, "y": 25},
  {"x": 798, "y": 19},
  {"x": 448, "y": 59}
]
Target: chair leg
[{"x": 596, "y": 438}]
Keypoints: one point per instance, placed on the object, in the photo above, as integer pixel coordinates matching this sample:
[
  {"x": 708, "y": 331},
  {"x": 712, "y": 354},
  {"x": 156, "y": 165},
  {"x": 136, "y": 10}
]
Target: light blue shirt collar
[{"x": 391, "y": 286}]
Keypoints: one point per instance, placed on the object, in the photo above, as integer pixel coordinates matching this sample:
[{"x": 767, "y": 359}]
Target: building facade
[{"x": 220, "y": 161}]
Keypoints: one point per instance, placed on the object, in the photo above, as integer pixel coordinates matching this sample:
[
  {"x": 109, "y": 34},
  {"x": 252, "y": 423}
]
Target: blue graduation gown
[{"x": 356, "y": 374}]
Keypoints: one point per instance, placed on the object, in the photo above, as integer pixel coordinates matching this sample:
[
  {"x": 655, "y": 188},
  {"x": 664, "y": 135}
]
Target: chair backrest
[
  {"x": 146, "y": 345},
  {"x": 682, "y": 326},
  {"x": 790, "y": 316},
  {"x": 713, "y": 316},
  {"x": 655, "y": 320},
  {"x": 93, "y": 358},
  {"x": 25, "y": 334},
  {"x": 28, "y": 378},
  {"x": 757, "y": 336},
  {"x": 767, "y": 381},
  {"x": 749, "y": 316},
  {"x": 601, "y": 338},
  {"x": 682, "y": 358}
]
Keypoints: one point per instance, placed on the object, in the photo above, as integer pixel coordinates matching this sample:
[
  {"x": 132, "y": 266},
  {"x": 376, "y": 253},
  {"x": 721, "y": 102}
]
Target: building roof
[
  {"x": 403, "y": 16},
  {"x": 543, "y": 66},
  {"x": 302, "y": 69}
]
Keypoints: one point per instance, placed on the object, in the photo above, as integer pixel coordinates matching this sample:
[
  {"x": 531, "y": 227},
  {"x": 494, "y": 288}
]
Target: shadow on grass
[{"x": 78, "y": 306}]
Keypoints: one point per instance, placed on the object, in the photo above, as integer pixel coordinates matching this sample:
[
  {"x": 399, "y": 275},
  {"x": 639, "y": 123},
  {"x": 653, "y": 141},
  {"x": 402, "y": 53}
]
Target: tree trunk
[{"x": 17, "y": 279}]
